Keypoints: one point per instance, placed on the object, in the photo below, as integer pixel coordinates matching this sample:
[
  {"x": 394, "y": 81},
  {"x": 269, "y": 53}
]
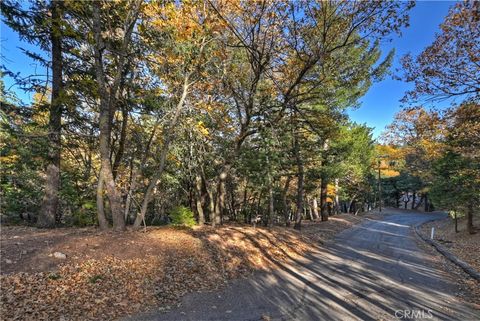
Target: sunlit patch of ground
[{"x": 106, "y": 275}]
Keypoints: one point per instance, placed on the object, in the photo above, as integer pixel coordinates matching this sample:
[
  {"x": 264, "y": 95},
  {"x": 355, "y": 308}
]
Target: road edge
[{"x": 463, "y": 265}]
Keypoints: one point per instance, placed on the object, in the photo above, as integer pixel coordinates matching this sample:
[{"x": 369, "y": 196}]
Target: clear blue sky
[
  {"x": 382, "y": 101},
  {"x": 378, "y": 106}
]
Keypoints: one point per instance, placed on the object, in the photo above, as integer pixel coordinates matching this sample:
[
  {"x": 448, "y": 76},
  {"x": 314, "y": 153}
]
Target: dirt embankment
[{"x": 106, "y": 275}]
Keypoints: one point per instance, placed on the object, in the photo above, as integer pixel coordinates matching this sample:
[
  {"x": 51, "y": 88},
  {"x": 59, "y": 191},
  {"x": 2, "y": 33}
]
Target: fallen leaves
[
  {"x": 134, "y": 271},
  {"x": 462, "y": 244}
]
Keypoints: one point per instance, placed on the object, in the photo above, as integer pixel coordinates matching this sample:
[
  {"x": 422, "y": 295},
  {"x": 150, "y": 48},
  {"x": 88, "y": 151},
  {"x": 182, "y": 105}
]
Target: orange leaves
[
  {"x": 389, "y": 173},
  {"x": 182, "y": 18},
  {"x": 156, "y": 268}
]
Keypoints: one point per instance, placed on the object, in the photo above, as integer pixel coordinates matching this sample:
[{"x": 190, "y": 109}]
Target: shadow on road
[{"x": 371, "y": 272}]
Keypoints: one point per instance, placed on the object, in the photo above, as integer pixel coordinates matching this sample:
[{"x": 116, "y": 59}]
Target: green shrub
[{"x": 182, "y": 216}]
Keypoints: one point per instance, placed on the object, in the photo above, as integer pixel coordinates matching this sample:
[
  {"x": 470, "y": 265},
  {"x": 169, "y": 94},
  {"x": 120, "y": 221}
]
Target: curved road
[{"x": 374, "y": 271}]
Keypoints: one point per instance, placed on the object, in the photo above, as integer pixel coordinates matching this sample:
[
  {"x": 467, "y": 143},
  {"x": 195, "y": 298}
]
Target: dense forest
[{"x": 206, "y": 112}]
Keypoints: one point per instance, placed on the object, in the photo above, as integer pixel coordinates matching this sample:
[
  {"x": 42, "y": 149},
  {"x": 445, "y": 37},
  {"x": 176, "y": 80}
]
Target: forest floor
[
  {"x": 85, "y": 274},
  {"x": 462, "y": 244}
]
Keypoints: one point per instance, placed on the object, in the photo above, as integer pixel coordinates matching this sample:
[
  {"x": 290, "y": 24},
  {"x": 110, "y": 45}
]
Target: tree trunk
[
  {"x": 200, "y": 199},
  {"x": 350, "y": 204},
  {"x": 102, "y": 220},
  {"x": 220, "y": 208},
  {"x": 133, "y": 186},
  {"x": 285, "y": 203},
  {"x": 456, "y": 220},
  {"x": 108, "y": 100},
  {"x": 271, "y": 209},
  {"x": 337, "y": 196},
  {"x": 310, "y": 209},
  {"x": 113, "y": 194},
  {"x": 323, "y": 200},
  {"x": 49, "y": 208},
  {"x": 470, "y": 228},
  {"x": 244, "y": 203},
  {"x": 233, "y": 204},
  {"x": 414, "y": 198},
  {"x": 420, "y": 202},
  {"x": 259, "y": 204},
  {"x": 406, "y": 199},
  {"x": 138, "y": 170},
  {"x": 163, "y": 155},
  {"x": 300, "y": 187},
  {"x": 315, "y": 208},
  {"x": 211, "y": 203},
  {"x": 426, "y": 203}
]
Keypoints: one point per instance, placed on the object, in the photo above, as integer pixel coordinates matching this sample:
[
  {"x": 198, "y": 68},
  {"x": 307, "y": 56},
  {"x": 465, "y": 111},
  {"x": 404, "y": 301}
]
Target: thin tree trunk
[
  {"x": 244, "y": 203},
  {"x": 414, "y": 198},
  {"x": 49, "y": 208},
  {"x": 200, "y": 199},
  {"x": 284, "y": 200},
  {"x": 163, "y": 155},
  {"x": 220, "y": 208},
  {"x": 310, "y": 209},
  {"x": 350, "y": 204},
  {"x": 337, "y": 196},
  {"x": 323, "y": 200},
  {"x": 232, "y": 204},
  {"x": 133, "y": 185},
  {"x": 259, "y": 204},
  {"x": 211, "y": 203},
  {"x": 315, "y": 208},
  {"x": 456, "y": 220},
  {"x": 300, "y": 187},
  {"x": 271, "y": 209},
  {"x": 470, "y": 228},
  {"x": 137, "y": 170}
]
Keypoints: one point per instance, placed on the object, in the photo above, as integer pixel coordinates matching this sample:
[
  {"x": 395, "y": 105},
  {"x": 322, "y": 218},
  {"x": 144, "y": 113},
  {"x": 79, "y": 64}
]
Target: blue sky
[
  {"x": 382, "y": 101},
  {"x": 378, "y": 106}
]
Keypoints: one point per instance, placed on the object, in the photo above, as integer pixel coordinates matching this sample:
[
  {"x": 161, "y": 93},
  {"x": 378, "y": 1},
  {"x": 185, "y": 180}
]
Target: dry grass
[{"x": 107, "y": 275}]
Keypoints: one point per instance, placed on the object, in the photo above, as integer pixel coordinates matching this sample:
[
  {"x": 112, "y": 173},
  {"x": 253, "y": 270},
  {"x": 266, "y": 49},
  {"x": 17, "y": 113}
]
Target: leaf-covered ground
[
  {"x": 462, "y": 244},
  {"x": 107, "y": 275}
]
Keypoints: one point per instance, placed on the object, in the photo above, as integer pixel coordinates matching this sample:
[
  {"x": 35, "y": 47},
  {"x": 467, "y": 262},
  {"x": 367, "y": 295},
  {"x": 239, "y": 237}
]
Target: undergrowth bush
[{"x": 182, "y": 216}]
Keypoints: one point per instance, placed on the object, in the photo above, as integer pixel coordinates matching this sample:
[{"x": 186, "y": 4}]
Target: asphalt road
[{"x": 374, "y": 271}]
